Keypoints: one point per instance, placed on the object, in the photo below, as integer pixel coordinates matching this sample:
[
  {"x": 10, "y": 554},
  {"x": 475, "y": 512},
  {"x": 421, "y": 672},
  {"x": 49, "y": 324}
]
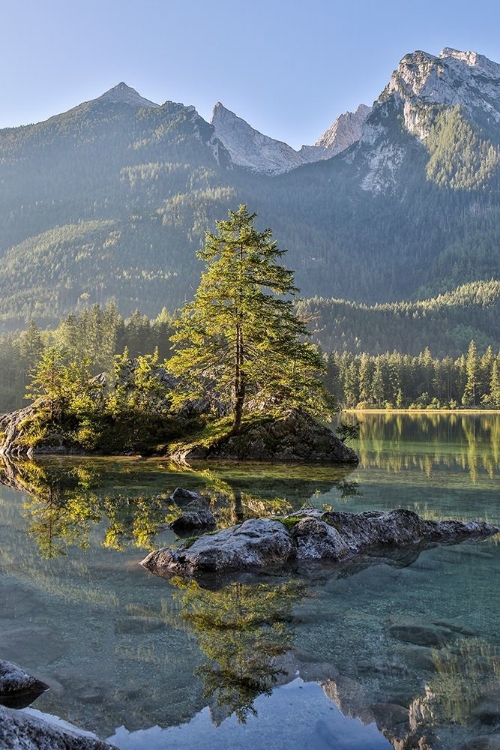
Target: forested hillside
[
  {"x": 447, "y": 323},
  {"x": 110, "y": 201}
]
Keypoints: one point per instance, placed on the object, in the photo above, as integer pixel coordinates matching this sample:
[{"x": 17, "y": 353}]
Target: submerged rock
[
  {"x": 187, "y": 499},
  {"x": 192, "y": 520},
  {"x": 262, "y": 543},
  {"x": 22, "y": 731},
  {"x": 18, "y": 688},
  {"x": 295, "y": 436}
]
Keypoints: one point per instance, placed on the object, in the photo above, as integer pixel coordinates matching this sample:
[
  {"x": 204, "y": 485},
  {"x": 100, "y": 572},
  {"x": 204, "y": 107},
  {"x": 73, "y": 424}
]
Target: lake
[{"x": 390, "y": 650}]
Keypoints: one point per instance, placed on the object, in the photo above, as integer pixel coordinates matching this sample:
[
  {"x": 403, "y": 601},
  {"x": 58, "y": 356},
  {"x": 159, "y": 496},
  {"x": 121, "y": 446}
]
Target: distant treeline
[
  {"x": 450, "y": 321},
  {"x": 380, "y": 380},
  {"x": 401, "y": 380}
]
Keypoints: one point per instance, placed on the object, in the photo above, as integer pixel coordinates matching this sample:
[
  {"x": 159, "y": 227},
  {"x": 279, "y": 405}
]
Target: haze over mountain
[{"x": 111, "y": 199}]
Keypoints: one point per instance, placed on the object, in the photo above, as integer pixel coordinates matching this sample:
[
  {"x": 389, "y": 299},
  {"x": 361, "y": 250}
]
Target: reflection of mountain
[
  {"x": 248, "y": 631},
  {"x": 242, "y": 630}
]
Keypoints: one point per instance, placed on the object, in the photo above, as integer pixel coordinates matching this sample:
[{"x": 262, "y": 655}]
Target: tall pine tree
[{"x": 240, "y": 338}]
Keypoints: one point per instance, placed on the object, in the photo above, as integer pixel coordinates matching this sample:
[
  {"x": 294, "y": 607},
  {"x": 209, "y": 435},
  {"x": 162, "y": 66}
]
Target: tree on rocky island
[{"x": 240, "y": 338}]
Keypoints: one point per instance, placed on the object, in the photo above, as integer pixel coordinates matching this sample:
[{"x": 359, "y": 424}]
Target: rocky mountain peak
[
  {"x": 345, "y": 131},
  {"x": 422, "y": 87},
  {"x": 123, "y": 94},
  {"x": 455, "y": 78},
  {"x": 249, "y": 148}
]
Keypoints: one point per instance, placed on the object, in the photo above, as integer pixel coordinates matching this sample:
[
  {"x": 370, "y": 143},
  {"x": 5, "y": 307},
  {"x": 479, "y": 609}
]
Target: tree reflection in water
[
  {"x": 65, "y": 501},
  {"x": 242, "y": 629},
  {"x": 453, "y": 440}
]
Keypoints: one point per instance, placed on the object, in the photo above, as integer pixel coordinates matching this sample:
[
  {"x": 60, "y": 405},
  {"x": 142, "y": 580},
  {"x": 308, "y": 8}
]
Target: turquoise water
[{"x": 401, "y": 650}]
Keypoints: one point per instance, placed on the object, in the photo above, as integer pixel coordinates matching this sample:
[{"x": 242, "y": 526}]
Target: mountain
[
  {"x": 111, "y": 200},
  {"x": 123, "y": 94},
  {"x": 451, "y": 105},
  {"x": 345, "y": 131},
  {"x": 251, "y": 149}
]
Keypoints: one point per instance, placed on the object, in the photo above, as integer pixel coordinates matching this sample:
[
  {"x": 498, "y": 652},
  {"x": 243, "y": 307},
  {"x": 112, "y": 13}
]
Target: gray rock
[
  {"x": 18, "y": 688},
  {"x": 420, "y": 635},
  {"x": 259, "y": 543},
  {"x": 317, "y": 540},
  {"x": 194, "y": 519},
  {"x": 186, "y": 498},
  {"x": 20, "y": 731}
]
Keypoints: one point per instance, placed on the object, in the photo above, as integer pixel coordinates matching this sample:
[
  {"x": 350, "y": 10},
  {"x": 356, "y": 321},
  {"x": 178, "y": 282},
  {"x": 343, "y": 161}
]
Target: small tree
[{"x": 240, "y": 337}]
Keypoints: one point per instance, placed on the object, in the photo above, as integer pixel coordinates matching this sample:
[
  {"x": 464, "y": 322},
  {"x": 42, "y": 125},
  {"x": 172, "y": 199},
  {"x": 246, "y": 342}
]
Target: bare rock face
[
  {"x": 20, "y": 731},
  {"x": 18, "y": 688},
  {"x": 345, "y": 131},
  {"x": 251, "y": 149},
  {"x": 260, "y": 544}
]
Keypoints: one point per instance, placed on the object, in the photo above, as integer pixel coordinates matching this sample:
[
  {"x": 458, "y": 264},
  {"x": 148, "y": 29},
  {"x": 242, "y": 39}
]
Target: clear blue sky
[{"x": 288, "y": 67}]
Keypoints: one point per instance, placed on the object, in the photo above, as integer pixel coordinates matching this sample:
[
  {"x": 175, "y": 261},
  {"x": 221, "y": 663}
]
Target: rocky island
[{"x": 308, "y": 536}]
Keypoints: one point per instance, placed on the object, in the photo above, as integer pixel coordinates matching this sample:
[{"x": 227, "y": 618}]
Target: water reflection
[
  {"x": 66, "y": 501},
  {"x": 466, "y": 686},
  {"x": 242, "y": 629},
  {"x": 464, "y": 441}
]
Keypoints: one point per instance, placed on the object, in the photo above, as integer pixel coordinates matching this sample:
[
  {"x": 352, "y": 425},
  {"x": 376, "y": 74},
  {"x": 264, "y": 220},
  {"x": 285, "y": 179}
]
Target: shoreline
[{"x": 419, "y": 411}]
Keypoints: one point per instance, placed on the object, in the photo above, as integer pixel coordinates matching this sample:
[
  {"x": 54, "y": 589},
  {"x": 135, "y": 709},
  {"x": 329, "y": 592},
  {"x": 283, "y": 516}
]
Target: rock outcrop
[
  {"x": 251, "y": 149},
  {"x": 22, "y": 731},
  {"x": 295, "y": 436},
  {"x": 194, "y": 520},
  {"x": 17, "y": 687},
  {"x": 262, "y": 544}
]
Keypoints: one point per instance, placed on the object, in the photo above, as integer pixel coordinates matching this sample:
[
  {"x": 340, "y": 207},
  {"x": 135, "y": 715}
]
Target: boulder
[
  {"x": 22, "y": 731},
  {"x": 294, "y": 436},
  {"x": 194, "y": 520},
  {"x": 18, "y": 688},
  {"x": 257, "y": 543},
  {"x": 317, "y": 540},
  {"x": 262, "y": 543},
  {"x": 187, "y": 499}
]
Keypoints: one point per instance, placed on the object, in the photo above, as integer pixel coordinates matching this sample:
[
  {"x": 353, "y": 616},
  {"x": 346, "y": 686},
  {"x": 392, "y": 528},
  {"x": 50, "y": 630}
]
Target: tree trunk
[{"x": 239, "y": 383}]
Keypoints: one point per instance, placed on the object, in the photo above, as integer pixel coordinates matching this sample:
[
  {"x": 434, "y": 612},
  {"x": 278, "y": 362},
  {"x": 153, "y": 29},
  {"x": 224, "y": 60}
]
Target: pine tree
[
  {"x": 495, "y": 384},
  {"x": 472, "y": 370},
  {"x": 240, "y": 337}
]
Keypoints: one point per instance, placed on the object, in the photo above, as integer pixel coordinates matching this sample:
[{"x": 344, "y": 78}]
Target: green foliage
[
  {"x": 348, "y": 431},
  {"x": 449, "y": 321},
  {"x": 237, "y": 341},
  {"x": 459, "y": 157}
]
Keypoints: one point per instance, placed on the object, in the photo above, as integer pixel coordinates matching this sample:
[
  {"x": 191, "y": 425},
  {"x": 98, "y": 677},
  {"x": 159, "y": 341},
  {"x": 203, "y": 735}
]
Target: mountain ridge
[{"x": 110, "y": 201}]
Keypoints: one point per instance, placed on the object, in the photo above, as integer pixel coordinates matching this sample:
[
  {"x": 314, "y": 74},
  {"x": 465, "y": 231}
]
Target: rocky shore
[{"x": 21, "y": 730}]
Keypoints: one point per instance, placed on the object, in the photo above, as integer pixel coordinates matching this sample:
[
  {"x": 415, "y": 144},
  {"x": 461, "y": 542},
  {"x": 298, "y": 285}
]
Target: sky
[{"x": 288, "y": 67}]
